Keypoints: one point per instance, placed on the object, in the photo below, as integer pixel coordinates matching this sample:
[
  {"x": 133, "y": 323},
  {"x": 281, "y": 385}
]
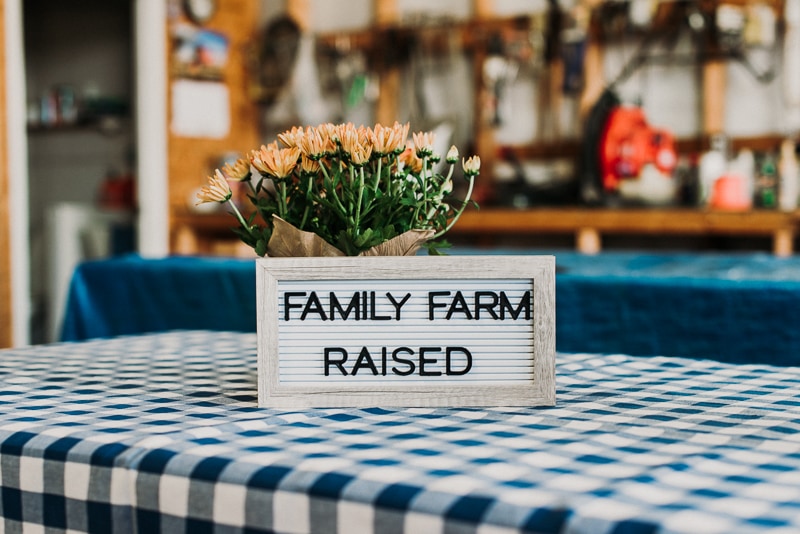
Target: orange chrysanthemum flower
[
  {"x": 276, "y": 162},
  {"x": 308, "y": 165},
  {"x": 361, "y": 154},
  {"x": 314, "y": 143},
  {"x": 389, "y": 140},
  {"x": 410, "y": 159},
  {"x": 217, "y": 190},
  {"x": 239, "y": 171},
  {"x": 291, "y": 138},
  {"x": 356, "y": 142}
]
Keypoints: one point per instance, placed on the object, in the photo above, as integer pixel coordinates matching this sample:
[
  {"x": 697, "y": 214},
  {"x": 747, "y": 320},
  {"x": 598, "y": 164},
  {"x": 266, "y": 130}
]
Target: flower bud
[
  {"x": 423, "y": 143},
  {"x": 472, "y": 166},
  {"x": 452, "y": 155}
]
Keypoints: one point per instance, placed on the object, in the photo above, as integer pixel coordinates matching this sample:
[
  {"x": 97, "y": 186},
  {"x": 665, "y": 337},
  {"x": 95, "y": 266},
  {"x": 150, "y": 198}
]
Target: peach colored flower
[
  {"x": 347, "y": 134},
  {"x": 217, "y": 190},
  {"x": 355, "y": 142},
  {"x": 423, "y": 142},
  {"x": 360, "y": 154},
  {"x": 410, "y": 159},
  {"x": 341, "y": 130},
  {"x": 291, "y": 138},
  {"x": 314, "y": 143},
  {"x": 239, "y": 171},
  {"x": 276, "y": 162},
  {"x": 308, "y": 165},
  {"x": 330, "y": 131},
  {"x": 389, "y": 140}
]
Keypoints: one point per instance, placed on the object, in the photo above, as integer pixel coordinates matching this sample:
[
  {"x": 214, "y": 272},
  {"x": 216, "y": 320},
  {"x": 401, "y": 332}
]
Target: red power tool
[{"x": 628, "y": 143}]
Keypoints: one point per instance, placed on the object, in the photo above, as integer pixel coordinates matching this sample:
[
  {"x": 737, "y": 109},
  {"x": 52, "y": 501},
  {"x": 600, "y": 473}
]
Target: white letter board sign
[{"x": 411, "y": 331}]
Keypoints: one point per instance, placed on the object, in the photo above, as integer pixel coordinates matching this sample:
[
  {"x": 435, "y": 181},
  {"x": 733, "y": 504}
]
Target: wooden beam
[
  {"x": 387, "y": 15},
  {"x": 386, "y": 12},
  {"x": 483, "y": 9},
  {"x": 643, "y": 221},
  {"x": 715, "y": 81},
  {"x": 300, "y": 12},
  {"x": 589, "y": 225}
]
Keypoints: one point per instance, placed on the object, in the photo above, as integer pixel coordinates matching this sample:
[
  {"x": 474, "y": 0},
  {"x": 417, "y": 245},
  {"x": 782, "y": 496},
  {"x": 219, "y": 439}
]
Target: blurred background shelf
[{"x": 203, "y": 233}]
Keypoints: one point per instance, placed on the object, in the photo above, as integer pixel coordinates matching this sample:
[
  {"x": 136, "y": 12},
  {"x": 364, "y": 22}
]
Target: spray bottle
[{"x": 789, "y": 176}]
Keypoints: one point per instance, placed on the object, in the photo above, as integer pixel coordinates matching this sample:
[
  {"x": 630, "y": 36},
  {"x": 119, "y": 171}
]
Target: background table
[
  {"x": 729, "y": 307},
  {"x": 161, "y": 433}
]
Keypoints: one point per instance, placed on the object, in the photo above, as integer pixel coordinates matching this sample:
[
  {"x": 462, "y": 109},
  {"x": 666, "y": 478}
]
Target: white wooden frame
[{"x": 539, "y": 390}]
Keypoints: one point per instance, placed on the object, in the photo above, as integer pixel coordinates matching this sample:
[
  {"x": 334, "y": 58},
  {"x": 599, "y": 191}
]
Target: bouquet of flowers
[{"x": 336, "y": 190}]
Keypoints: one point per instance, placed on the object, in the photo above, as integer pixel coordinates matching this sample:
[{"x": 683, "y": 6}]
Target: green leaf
[
  {"x": 434, "y": 246},
  {"x": 364, "y": 238},
  {"x": 261, "y": 247}
]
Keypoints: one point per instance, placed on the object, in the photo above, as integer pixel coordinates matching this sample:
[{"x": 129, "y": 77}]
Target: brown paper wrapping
[
  {"x": 288, "y": 241},
  {"x": 406, "y": 244}
]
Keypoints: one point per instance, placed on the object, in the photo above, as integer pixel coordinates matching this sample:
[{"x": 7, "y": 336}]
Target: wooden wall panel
[
  {"x": 191, "y": 159},
  {"x": 5, "y": 222}
]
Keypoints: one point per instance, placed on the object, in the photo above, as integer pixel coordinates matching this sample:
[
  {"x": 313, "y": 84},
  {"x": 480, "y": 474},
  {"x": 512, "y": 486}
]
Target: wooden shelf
[
  {"x": 194, "y": 231},
  {"x": 588, "y": 224}
]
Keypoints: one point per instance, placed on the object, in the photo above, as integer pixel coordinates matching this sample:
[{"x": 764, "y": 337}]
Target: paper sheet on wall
[{"x": 200, "y": 109}]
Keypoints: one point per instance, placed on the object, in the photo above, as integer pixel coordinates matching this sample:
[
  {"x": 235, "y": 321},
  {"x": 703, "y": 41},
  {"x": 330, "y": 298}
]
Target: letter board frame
[{"x": 359, "y": 300}]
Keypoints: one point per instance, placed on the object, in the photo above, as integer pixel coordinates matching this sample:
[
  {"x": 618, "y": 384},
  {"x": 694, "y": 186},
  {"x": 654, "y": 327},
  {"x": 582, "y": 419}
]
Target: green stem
[
  {"x": 307, "y": 209},
  {"x": 424, "y": 186},
  {"x": 391, "y": 162},
  {"x": 360, "y": 198},
  {"x": 241, "y": 219},
  {"x": 305, "y": 216},
  {"x": 460, "y": 211},
  {"x": 450, "y": 172},
  {"x": 378, "y": 175},
  {"x": 282, "y": 205},
  {"x": 330, "y": 191},
  {"x": 324, "y": 171},
  {"x": 424, "y": 180}
]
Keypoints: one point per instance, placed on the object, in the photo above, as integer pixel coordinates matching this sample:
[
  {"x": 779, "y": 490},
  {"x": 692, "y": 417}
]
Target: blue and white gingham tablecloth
[{"x": 162, "y": 433}]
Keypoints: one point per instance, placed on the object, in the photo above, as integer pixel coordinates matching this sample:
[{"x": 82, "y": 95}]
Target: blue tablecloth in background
[
  {"x": 738, "y": 308},
  {"x": 132, "y": 295}
]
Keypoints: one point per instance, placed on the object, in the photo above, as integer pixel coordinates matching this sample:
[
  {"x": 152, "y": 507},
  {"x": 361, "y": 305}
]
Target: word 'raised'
[{"x": 402, "y": 361}]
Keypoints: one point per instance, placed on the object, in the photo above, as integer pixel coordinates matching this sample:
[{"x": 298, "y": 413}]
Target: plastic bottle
[
  {"x": 712, "y": 165},
  {"x": 766, "y": 195},
  {"x": 789, "y": 176},
  {"x": 744, "y": 166}
]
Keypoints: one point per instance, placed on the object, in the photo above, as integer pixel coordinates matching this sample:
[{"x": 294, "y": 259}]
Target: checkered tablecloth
[{"x": 162, "y": 433}]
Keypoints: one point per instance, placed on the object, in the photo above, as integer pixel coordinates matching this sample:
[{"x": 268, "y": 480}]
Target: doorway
[{"x": 79, "y": 74}]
